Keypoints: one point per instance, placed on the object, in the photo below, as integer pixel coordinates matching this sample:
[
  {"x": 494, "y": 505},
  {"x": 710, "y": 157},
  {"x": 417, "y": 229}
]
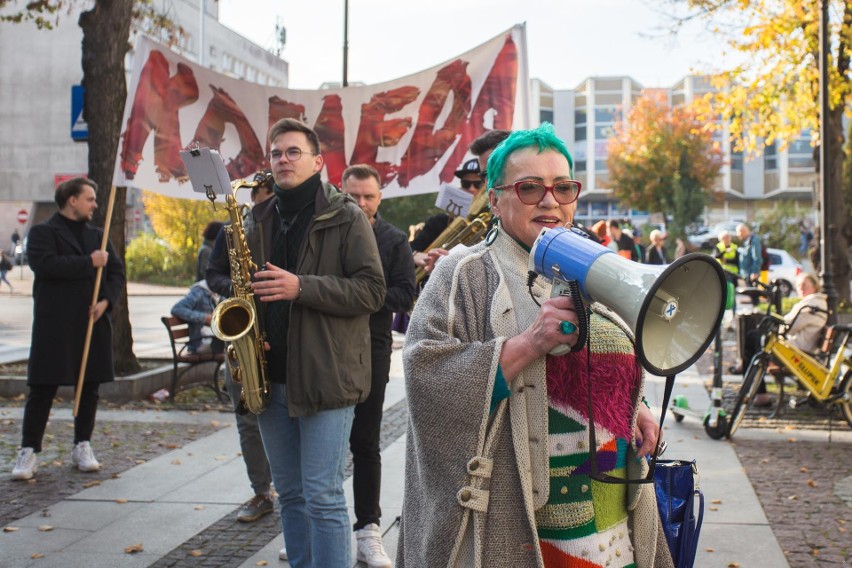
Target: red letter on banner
[
  {"x": 497, "y": 94},
  {"x": 374, "y": 131},
  {"x": 427, "y": 144},
  {"x": 278, "y": 109},
  {"x": 330, "y": 130},
  {"x": 210, "y": 132},
  {"x": 155, "y": 107}
]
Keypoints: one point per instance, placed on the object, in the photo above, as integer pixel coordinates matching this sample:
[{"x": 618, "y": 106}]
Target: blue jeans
[{"x": 307, "y": 456}]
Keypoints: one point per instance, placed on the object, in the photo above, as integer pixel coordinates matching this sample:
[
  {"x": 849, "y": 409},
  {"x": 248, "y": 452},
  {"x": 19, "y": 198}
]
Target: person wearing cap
[{"x": 435, "y": 225}]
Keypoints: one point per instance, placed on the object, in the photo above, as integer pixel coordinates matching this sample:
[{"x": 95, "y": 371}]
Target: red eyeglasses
[{"x": 531, "y": 192}]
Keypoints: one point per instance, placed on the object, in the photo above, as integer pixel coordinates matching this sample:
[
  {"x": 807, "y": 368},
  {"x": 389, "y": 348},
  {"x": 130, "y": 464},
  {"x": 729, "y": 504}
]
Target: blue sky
[{"x": 568, "y": 40}]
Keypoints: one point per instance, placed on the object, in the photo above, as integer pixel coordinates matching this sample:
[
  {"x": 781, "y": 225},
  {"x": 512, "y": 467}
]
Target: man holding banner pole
[{"x": 70, "y": 259}]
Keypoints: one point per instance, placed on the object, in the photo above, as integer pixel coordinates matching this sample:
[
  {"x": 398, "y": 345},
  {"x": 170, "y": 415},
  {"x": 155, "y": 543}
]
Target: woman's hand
[
  {"x": 538, "y": 339},
  {"x": 647, "y": 431}
]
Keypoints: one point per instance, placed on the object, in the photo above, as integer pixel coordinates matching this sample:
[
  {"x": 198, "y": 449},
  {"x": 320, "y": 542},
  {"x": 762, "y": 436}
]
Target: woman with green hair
[{"x": 498, "y": 462}]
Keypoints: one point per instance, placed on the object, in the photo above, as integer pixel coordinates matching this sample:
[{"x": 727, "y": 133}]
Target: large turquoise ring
[{"x": 567, "y": 327}]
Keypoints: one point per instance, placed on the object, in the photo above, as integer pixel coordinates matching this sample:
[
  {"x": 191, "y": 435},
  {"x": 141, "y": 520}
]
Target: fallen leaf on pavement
[
  {"x": 716, "y": 501},
  {"x": 792, "y": 497},
  {"x": 133, "y": 549},
  {"x": 262, "y": 563},
  {"x": 121, "y": 501},
  {"x": 36, "y": 555},
  {"x": 45, "y": 528},
  {"x": 199, "y": 507},
  {"x": 175, "y": 462},
  {"x": 220, "y": 458},
  {"x": 804, "y": 469},
  {"x": 92, "y": 483},
  {"x": 710, "y": 550},
  {"x": 791, "y": 440},
  {"x": 196, "y": 552},
  {"x": 811, "y": 483},
  {"x": 10, "y": 529},
  {"x": 714, "y": 508},
  {"x": 734, "y": 565},
  {"x": 815, "y": 552},
  {"x": 214, "y": 423}
]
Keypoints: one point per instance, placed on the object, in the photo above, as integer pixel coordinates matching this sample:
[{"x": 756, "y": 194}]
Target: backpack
[
  {"x": 5, "y": 264},
  {"x": 765, "y": 254}
]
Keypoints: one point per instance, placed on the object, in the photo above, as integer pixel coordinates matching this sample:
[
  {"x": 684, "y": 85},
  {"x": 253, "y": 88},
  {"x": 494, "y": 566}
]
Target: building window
[
  {"x": 545, "y": 115},
  {"x": 736, "y": 160},
  {"x": 579, "y": 125},
  {"x": 580, "y": 165},
  {"x": 800, "y": 153},
  {"x": 770, "y": 157}
]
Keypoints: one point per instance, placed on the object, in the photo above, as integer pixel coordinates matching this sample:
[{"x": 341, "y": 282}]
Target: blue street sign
[{"x": 79, "y": 127}]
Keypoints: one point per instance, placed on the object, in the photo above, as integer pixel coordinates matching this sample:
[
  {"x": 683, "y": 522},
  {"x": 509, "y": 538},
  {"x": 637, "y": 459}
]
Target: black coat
[
  {"x": 62, "y": 293},
  {"x": 652, "y": 255}
]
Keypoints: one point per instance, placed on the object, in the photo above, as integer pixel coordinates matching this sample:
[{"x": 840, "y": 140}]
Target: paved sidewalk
[{"x": 182, "y": 504}]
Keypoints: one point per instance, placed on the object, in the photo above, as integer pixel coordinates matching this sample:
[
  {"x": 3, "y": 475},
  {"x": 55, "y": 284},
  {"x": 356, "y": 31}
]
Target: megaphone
[{"x": 674, "y": 310}]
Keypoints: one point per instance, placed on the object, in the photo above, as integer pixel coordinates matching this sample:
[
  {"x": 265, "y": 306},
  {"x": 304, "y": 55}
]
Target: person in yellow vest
[{"x": 726, "y": 254}]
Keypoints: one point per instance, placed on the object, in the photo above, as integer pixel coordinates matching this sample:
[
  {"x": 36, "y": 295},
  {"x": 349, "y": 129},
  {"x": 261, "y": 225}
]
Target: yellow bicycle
[{"x": 829, "y": 382}]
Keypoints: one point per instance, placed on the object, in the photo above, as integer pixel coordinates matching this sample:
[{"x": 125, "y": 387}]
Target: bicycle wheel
[
  {"x": 846, "y": 393},
  {"x": 751, "y": 382}
]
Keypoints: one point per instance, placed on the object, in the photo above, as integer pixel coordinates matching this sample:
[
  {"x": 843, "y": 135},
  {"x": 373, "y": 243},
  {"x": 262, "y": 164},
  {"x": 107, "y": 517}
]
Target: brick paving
[{"x": 798, "y": 483}]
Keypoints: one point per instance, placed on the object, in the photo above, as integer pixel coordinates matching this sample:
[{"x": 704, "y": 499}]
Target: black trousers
[
  {"x": 37, "y": 412},
  {"x": 364, "y": 444}
]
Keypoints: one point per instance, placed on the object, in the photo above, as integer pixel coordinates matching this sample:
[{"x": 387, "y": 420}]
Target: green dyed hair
[{"x": 544, "y": 137}]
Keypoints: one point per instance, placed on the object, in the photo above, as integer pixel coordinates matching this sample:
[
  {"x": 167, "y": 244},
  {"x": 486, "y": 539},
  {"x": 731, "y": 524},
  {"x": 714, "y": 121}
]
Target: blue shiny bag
[{"x": 677, "y": 489}]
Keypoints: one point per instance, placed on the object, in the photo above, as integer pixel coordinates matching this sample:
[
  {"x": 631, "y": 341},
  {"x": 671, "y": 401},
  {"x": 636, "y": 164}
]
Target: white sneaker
[
  {"x": 84, "y": 458},
  {"x": 282, "y": 554},
  {"x": 371, "y": 551},
  {"x": 26, "y": 464}
]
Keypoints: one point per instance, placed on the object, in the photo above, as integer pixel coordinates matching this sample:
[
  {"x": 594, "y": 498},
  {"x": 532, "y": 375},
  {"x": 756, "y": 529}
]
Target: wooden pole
[{"x": 98, "y": 273}]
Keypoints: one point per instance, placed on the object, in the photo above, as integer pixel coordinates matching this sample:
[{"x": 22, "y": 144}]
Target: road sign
[
  {"x": 79, "y": 127},
  {"x": 23, "y": 215}
]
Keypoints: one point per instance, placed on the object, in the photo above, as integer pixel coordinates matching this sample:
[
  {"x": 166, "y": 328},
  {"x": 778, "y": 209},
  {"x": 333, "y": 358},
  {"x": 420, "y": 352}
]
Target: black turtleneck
[
  {"x": 76, "y": 228},
  {"x": 296, "y": 209}
]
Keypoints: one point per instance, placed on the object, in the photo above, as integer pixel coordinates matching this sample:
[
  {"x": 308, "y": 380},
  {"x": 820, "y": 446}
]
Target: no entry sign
[{"x": 23, "y": 215}]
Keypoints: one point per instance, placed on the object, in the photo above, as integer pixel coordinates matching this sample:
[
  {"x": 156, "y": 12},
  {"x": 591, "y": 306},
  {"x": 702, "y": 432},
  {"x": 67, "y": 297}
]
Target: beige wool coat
[{"x": 474, "y": 479}]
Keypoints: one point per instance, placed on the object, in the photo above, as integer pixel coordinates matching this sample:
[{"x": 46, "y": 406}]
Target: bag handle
[{"x": 692, "y": 547}]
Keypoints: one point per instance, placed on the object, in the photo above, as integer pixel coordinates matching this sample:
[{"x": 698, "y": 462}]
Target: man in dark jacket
[
  {"x": 321, "y": 279},
  {"x": 64, "y": 254},
  {"x": 362, "y": 183}
]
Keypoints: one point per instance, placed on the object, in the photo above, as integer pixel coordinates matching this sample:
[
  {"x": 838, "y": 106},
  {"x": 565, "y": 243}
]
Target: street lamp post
[
  {"x": 826, "y": 226},
  {"x": 345, "y": 42}
]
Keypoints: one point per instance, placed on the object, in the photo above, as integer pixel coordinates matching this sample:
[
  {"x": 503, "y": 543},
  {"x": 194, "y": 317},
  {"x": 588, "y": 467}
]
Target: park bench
[{"x": 178, "y": 331}]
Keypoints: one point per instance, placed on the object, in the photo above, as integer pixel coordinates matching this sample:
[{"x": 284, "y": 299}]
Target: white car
[{"x": 785, "y": 269}]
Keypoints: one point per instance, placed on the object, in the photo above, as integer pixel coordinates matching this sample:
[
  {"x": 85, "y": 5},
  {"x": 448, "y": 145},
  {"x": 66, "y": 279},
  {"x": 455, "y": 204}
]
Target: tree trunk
[
  {"x": 106, "y": 36},
  {"x": 835, "y": 208}
]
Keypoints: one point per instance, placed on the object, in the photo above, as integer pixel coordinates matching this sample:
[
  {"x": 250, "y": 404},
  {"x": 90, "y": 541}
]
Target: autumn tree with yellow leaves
[
  {"x": 663, "y": 160},
  {"x": 180, "y": 224},
  {"x": 772, "y": 95}
]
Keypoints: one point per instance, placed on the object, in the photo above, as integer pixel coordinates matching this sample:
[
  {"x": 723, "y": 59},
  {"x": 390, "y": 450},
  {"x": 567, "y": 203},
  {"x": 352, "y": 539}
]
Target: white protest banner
[{"x": 415, "y": 130}]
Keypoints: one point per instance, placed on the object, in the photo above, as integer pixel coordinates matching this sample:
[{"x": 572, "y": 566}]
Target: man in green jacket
[{"x": 321, "y": 279}]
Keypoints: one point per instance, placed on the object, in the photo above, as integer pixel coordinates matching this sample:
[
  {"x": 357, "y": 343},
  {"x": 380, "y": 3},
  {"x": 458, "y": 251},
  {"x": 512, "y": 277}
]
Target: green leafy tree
[
  {"x": 663, "y": 160},
  {"x": 773, "y": 94},
  {"x": 405, "y": 211},
  {"x": 779, "y": 226},
  {"x": 106, "y": 26}
]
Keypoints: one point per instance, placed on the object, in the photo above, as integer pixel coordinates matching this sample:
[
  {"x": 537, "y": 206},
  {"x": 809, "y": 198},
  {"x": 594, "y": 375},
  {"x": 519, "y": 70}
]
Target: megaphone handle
[{"x": 572, "y": 290}]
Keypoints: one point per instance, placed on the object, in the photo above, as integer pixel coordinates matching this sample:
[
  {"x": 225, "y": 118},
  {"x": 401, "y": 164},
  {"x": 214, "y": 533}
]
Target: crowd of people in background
[{"x": 332, "y": 273}]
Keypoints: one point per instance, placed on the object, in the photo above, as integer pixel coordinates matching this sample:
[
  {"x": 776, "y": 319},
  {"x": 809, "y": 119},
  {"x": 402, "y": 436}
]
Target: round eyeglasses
[
  {"x": 531, "y": 192},
  {"x": 292, "y": 154}
]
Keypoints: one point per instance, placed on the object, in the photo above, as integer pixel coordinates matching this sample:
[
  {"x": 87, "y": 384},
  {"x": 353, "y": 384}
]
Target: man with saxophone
[
  {"x": 320, "y": 280},
  {"x": 362, "y": 183}
]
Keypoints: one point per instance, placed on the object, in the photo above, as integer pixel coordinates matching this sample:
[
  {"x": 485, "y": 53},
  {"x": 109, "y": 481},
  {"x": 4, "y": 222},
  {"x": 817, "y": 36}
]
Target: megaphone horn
[{"x": 674, "y": 310}]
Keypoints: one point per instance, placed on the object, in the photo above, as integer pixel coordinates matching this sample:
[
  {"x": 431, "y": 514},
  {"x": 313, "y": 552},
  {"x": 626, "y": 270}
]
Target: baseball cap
[{"x": 469, "y": 167}]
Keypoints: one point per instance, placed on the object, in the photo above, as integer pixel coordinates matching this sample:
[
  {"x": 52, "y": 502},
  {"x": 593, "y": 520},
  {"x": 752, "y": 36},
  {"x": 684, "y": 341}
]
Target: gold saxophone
[
  {"x": 467, "y": 231},
  {"x": 235, "y": 320}
]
